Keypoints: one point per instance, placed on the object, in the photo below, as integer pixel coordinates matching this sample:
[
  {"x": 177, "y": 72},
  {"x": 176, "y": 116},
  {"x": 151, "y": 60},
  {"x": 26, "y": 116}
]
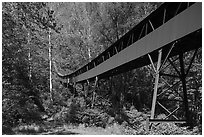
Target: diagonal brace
[{"x": 166, "y": 110}]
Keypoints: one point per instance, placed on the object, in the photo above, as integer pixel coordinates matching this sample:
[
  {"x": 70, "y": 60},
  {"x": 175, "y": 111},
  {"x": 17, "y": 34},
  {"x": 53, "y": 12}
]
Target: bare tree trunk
[
  {"x": 50, "y": 63},
  {"x": 29, "y": 58},
  {"x": 35, "y": 96}
]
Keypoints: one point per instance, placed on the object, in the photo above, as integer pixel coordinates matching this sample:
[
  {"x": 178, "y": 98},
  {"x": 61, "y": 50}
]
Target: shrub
[{"x": 72, "y": 114}]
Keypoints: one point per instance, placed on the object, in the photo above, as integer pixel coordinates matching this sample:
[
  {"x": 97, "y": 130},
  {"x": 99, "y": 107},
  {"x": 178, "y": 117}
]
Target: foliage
[
  {"x": 81, "y": 31},
  {"x": 21, "y": 93}
]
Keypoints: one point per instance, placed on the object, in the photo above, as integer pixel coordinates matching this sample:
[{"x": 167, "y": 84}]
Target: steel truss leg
[
  {"x": 75, "y": 91},
  {"x": 156, "y": 70},
  {"x": 183, "y": 80},
  {"x": 156, "y": 84},
  {"x": 94, "y": 91},
  {"x": 181, "y": 74}
]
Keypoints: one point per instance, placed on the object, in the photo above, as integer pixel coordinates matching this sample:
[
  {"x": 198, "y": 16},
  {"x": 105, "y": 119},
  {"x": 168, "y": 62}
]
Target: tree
[
  {"x": 23, "y": 49},
  {"x": 94, "y": 27},
  {"x": 115, "y": 19}
]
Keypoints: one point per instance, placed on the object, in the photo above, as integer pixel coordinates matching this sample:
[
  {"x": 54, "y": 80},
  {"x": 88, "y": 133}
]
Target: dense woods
[{"x": 69, "y": 35}]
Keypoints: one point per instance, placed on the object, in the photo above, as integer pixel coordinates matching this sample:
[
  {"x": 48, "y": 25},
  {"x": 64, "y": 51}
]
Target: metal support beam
[
  {"x": 74, "y": 88},
  {"x": 183, "y": 80},
  {"x": 129, "y": 40},
  {"x": 68, "y": 82},
  {"x": 141, "y": 32},
  {"x": 167, "y": 110},
  {"x": 171, "y": 86},
  {"x": 151, "y": 25},
  {"x": 178, "y": 9},
  {"x": 164, "y": 18},
  {"x": 156, "y": 85},
  {"x": 88, "y": 82},
  {"x": 172, "y": 64},
  {"x": 165, "y": 119},
  {"x": 121, "y": 46},
  {"x": 146, "y": 27},
  {"x": 167, "y": 56},
  {"x": 103, "y": 58},
  {"x": 116, "y": 50},
  {"x": 172, "y": 113},
  {"x": 132, "y": 38},
  {"x": 152, "y": 63},
  {"x": 94, "y": 92},
  {"x": 164, "y": 67},
  {"x": 109, "y": 54}
]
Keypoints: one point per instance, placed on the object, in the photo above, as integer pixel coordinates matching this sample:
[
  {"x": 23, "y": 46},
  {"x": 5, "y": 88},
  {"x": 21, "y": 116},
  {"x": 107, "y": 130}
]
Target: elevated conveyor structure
[
  {"x": 171, "y": 30},
  {"x": 171, "y": 22}
]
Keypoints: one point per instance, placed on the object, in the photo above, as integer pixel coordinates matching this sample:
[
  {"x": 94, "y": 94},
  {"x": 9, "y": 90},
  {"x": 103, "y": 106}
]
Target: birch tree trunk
[
  {"x": 29, "y": 57},
  {"x": 50, "y": 62}
]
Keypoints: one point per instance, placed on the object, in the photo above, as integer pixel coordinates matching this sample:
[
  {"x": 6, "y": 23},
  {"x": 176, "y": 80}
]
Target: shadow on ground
[{"x": 37, "y": 131}]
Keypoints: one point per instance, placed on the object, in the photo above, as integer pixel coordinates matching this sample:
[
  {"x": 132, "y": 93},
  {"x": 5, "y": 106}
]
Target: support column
[
  {"x": 156, "y": 85},
  {"x": 183, "y": 80},
  {"x": 94, "y": 93},
  {"x": 75, "y": 89},
  {"x": 181, "y": 75}
]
